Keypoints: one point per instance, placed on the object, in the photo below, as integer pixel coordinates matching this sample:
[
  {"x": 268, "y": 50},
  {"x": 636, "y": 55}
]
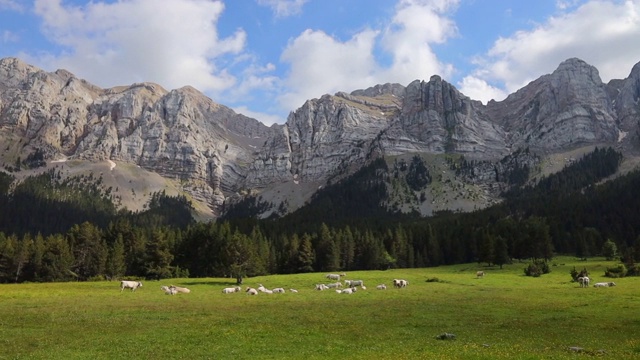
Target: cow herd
[{"x": 349, "y": 286}]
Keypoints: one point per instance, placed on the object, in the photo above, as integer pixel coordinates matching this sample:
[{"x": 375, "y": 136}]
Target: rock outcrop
[{"x": 217, "y": 154}]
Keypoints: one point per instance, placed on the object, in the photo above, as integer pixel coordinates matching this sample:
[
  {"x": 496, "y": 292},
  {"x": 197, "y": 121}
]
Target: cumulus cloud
[
  {"x": 117, "y": 43},
  {"x": 603, "y": 33},
  {"x": 320, "y": 63},
  {"x": 284, "y": 8}
]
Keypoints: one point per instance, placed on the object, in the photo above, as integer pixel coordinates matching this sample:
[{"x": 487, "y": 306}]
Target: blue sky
[{"x": 264, "y": 58}]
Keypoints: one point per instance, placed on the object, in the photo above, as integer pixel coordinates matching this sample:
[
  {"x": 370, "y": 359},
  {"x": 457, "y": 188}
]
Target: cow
[
  {"x": 133, "y": 285},
  {"x": 604, "y": 284},
  {"x": 584, "y": 281},
  {"x": 479, "y": 274},
  {"x": 168, "y": 291},
  {"x": 400, "y": 283},
  {"x": 180, "y": 289},
  {"x": 333, "y": 277}
]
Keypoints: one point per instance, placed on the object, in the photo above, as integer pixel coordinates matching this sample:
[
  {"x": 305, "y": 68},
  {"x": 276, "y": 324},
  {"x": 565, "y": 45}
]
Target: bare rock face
[
  {"x": 626, "y": 102},
  {"x": 217, "y": 154},
  {"x": 567, "y": 108},
  {"x": 435, "y": 117}
]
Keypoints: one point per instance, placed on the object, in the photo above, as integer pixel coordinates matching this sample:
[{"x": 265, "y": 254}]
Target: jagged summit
[{"x": 217, "y": 156}]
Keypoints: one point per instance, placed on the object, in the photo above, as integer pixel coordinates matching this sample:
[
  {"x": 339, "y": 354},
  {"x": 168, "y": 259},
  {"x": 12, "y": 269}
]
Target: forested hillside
[{"x": 66, "y": 230}]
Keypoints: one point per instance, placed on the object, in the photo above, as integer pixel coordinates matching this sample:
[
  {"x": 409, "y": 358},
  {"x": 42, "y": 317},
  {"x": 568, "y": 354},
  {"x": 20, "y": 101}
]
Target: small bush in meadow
[
  {"x": 575, "y": 274},
  {"x": 537, "y": 268},
  {"x": 616, "y": 272}
]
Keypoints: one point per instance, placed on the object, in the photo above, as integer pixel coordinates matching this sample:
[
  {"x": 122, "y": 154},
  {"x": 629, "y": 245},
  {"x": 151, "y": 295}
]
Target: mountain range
[{"x": 143, "y": 138}]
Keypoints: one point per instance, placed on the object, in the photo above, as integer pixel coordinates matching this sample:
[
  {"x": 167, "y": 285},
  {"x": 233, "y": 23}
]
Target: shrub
[
  {"x": 575, "y": 274},
  {"x": 537, "y": 268},
  {"x": 616, "y": 272}
]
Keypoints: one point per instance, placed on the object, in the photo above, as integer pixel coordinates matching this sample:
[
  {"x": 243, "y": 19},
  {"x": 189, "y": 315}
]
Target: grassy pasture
[{"x": 505, "y": 315}]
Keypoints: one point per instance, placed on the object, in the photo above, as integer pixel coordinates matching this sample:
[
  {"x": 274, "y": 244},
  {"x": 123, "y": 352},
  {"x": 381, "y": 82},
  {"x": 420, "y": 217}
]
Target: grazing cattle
[
  {"x": 349, "y": 291},
  {"x": 278, "y": 290},
  {"x": 133, "y": 285},
  {"x": 230, "y": 290},
  {"x": 168, "y": 291},
  {"x": 321, "y": 287},
  {"x": 181, "y": 290},
  {"x": 381, "y": 287},
  {"x": 354, "y": 283},
  {"x": 334, "y": 285},
  {"x": 251, "y": 291},
  {"x": 293, "y": 291},
  {"x": 480, "y": 274},
  {"x": 333, "y": 277},
  {"x": 604, "y": 284},
  {"x": 261, "y": 288},
  {"x": 583, "y": 281},
  {"x": 400, "y": 283}
]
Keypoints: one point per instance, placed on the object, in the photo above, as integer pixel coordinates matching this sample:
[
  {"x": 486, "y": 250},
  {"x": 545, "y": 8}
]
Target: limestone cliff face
[
  {"x": 436, "y": 118},
  {"x": 566, "y": 108},
  {"x": 217, "y": 154}
]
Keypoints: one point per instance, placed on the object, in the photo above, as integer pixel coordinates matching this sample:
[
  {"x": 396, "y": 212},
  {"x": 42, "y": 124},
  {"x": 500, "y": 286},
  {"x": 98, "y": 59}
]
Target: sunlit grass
[{"x": 505, "y": 315}]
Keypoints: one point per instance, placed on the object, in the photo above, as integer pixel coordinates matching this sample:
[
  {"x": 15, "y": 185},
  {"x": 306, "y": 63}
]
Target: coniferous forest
[{"x": 63, "y": 230}]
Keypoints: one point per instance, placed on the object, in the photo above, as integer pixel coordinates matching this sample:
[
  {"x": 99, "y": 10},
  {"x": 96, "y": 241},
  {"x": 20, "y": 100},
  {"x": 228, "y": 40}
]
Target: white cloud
[
  {"x": 117, "y": 43},
  {"x": 11, "y": 5},
  {"x": 320, "y": 63},
  {"x": 8, "y": 36},
  {"x": 267, "y": 119},
  {"x": 284, "y": 8},
  {"x": 478, "y": 89},
  {"x": 604, "y": 33}
]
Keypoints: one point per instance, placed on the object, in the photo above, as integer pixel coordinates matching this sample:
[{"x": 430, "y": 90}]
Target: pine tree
[
  {"x": 501, "y": 252},
  {"x": 116, "y": 265},
  {"x": 158, "y": 257},
  {"x": 57, "y": 260},
  {"x": 306, "y": 256}
]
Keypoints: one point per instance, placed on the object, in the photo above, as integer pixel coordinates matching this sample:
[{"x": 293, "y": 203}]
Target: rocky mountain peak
[{"x": 217, "y": 155}]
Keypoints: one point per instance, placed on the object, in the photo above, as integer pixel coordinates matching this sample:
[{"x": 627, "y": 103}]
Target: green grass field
[{"x": 504, "y": 315}]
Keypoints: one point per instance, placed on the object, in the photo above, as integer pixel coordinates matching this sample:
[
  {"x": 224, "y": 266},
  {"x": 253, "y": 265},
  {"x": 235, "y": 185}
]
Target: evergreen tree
[
  {"x": 305, "y": 257},
  {"x": 158, "y": 257},
  {"x": 501, "y": 252},
  {"x": 89, "y": 250},
  {"x": 609, "y": 249},
  {"x": 116, "y": 265},
  {"x": 57, "y": 260}
]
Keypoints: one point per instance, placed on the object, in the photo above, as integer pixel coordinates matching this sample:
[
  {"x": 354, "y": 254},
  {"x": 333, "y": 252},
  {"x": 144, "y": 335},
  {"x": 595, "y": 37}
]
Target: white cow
[
  {"x": 334, "y": 285},
  {"x": 479, "y": 274},
  {"x": 348, "y": 291},
  {"x": 230, "y": 290},
  {"x": 168, "y": 291},
  {"x": 133, "y": 285},
  {"x": 604, "y": 284},
  {"x": 321, "y": 287},
  {"x": 400, "y": 283},
  {"x": 354, "y": 283},
  {"x": 279, "y": 290},
  {"x": 333, "y": 277},
  {"x": 181, "y": 290},
  {"x": 251, "y": 291},
  {"x": 583, "y": 281},
  {"x": 381, "y": 287}
]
